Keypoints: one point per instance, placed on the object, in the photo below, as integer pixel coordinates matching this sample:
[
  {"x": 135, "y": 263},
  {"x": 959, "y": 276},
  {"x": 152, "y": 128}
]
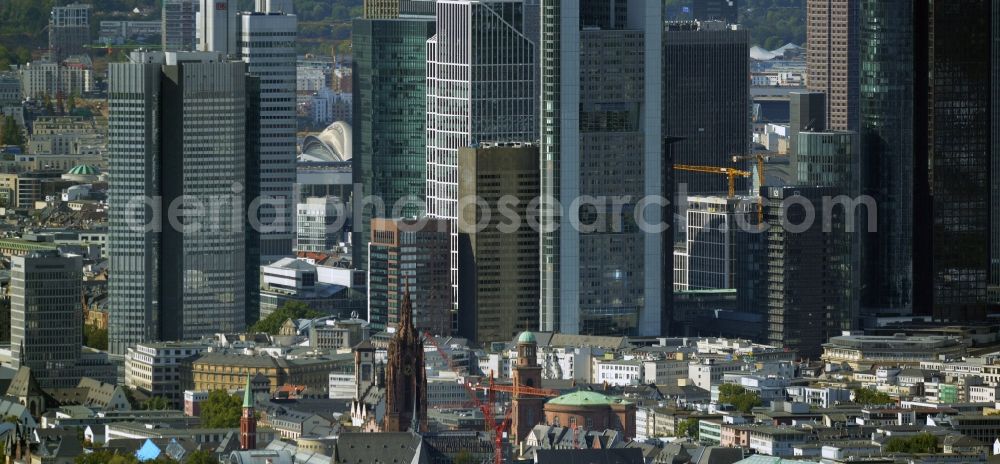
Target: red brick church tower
[
  {"x": 405, "y": 378},
  {"x": 527, "y": 410},
  {"x": 248, "y": 422}
]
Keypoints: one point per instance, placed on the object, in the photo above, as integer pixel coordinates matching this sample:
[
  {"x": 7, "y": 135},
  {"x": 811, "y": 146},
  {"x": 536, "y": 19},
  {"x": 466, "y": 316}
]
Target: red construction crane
[
  {"x": 498, "y": 429},
  {"x": 487, "y": 408}
]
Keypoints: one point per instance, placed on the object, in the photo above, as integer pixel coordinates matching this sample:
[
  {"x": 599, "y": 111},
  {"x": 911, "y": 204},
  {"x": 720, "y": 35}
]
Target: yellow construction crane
[
  {"x": 731, "y": 172},
  {"x": 760, "y": 157}
]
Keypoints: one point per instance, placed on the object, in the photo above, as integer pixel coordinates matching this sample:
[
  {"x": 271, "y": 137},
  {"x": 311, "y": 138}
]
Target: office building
[
  {"x": 712, "y": 242},
  {"x": 267, "y": 46},
  {"x": 336, "y": 291},
  {"x": 410, "y": 255},
  {"x": 716, "y": 10},
  {"x": 808, "y": 269},
  {"x": 830, "y": 159},
  {"x": 46, "y": 323},
  {"x": 69, "y": 31},
  {"x": 925, "y": 125},
  {"x": 178, "y": 128},
  {"x": 601, "y": 136},
  {"x": 319, "y": 224},
  {"x": 807, "y": 112},
  {"x": 479, "y": 55},
  {"x": 832, "y": 29},
  {"x": 178, "y": 25},
  {"x": 498, "y": 285},
  {"x": 706, "y": 99},
  {"x": 153, "y": 369},
  {"x": 41, "y": 79},
  {"x": 217, "y": 28},
  {"x": 390, "y": 102}
]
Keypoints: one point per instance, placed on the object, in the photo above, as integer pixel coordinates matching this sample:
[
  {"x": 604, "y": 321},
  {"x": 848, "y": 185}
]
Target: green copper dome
[
  {"x": 527, "y": 337},
  {"x": 84, "y": 170},
  {"x": 586, "y": 398}
]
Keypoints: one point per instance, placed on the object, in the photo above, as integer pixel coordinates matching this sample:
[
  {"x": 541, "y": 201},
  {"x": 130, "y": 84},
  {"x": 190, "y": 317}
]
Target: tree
[
  {"x": 71, "y": 103},
  {"x": 12, "y": 133},
  {"x": 156, "y": 403},
  {"x": 687, "y": 428},
  {"x": 201, "y": 457},
  {"x": 740, "y": 397},
  {"x": 871, "y": 396},
  {"x": 920, "y": 443},
  {"x": 105, "y": 457},
  {"x": 290, "y": 310},
  {"x": 95, "y": 338},
  {"x": 464, "y": 457},
  {"x": 221, "y": 410}
]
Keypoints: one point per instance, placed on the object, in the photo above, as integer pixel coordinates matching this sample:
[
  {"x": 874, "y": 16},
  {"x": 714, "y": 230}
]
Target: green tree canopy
[
  {"x": 743, "y": 399},
  {"x": 290, "y": 310},
  {"x": 871, "y": 396},
  {"x": 221, "y": 410},
  {"x": 201, "y": 457},
  {"x": 920, "y": 443},
  {"x": 687, "y": 428},
  {"x": 95, "y": 338},
  {"x": 156, "y": 403}
]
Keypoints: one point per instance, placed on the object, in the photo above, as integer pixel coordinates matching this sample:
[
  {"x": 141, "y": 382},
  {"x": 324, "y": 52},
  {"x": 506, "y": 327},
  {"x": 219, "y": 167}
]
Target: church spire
[
  {"x": 406, "y": 313},
  {"x": 248, "y": 421}
]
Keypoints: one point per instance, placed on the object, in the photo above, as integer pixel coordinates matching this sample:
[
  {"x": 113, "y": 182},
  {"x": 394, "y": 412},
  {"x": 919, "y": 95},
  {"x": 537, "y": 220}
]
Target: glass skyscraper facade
[
  {"x": 601, "y": 126},
  {"x": 389, "y": 82},
  {"x": 480, "y": 88},
  {"x": 177, "y": 132},
  {"x": 926, "y": 96}
]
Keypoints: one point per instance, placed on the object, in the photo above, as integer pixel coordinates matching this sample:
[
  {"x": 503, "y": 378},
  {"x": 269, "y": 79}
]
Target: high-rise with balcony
[
  {"x": 480, "y": 89},
  {"x": 600, "y": 133},
  {"x": 177, "y": 139},
  {"x": 178, "y": 25},
  {"x": 69, "y": 30},
  {"x": 832, "y": 30}
]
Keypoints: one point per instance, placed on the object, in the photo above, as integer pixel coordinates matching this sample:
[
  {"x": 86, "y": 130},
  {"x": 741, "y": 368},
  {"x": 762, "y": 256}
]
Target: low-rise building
[
  {"x": 863, "y": 352},
  {"x": 776, "y": 441},
  {"x": 219, "y": 371},
  {"x": 154, "y": 368}
]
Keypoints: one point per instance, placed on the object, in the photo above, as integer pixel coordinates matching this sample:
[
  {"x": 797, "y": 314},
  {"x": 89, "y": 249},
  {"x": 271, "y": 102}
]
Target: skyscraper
[
  {"x": 69, "y": 30},
  {"x": 178, "y": 25},
  {"x": 716, "y": 10},
  {"x": 601, "y": 127},
  {"x": 706, "y": 98},
  {"x": 46, "y": 323},
  {"x": 480, "y": 88},
  {"x": 217, "y": 27},
  {"x": 807, "y": 112},
  {"x": 926, "y": 106},
  {"x": 409, "y": 256},
  {"x": 390, "y": 101},
  {"x": 498, "y": 285},
  {"x": 832, "y": 29},
  {"x": 267, "y": 46},
  {"x": 177, "y": 133},
  {"x": 807, "y": 269}
]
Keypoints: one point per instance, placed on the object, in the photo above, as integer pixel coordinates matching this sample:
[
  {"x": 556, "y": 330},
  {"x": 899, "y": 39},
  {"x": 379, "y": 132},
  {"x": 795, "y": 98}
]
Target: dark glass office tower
[
  {"x": 390, "y": 110},
  {"x": 706, "y": 99},
  {"x": 926, "y": 120}
]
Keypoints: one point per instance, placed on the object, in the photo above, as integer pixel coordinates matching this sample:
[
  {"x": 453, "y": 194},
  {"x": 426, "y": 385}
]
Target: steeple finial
[
  {"x": 406, "y": 312},
  {"x": 247, "y": 395}
]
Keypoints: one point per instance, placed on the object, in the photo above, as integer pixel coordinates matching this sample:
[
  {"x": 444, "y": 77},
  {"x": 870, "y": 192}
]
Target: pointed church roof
[
  {"x": 247, "y": 395},
  {"x": 24, "y": 384}
]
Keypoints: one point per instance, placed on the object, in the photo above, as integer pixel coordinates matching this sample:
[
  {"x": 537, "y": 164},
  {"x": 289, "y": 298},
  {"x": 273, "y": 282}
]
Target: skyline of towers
[
  {"x": 178, "y": 24},
  {"x": 601, "y": 136}
]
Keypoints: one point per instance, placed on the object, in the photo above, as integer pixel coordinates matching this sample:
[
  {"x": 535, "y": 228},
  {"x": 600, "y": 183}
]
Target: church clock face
[{"x": 407, "y": 369}]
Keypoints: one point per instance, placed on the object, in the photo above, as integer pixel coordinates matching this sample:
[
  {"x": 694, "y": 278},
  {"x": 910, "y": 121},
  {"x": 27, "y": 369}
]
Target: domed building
[
  {"x": 590, "y": 410},
  {"x": 83, "y": 173},
  {"x": 334, "y": 144}
]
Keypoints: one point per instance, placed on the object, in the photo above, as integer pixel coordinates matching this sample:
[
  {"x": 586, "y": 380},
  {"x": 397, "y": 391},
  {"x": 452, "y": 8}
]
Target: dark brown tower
[
  {"x": 528, "y": 410},
  {"x": 248, "y": 422},
  {"x": 406, "y": 380}
]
